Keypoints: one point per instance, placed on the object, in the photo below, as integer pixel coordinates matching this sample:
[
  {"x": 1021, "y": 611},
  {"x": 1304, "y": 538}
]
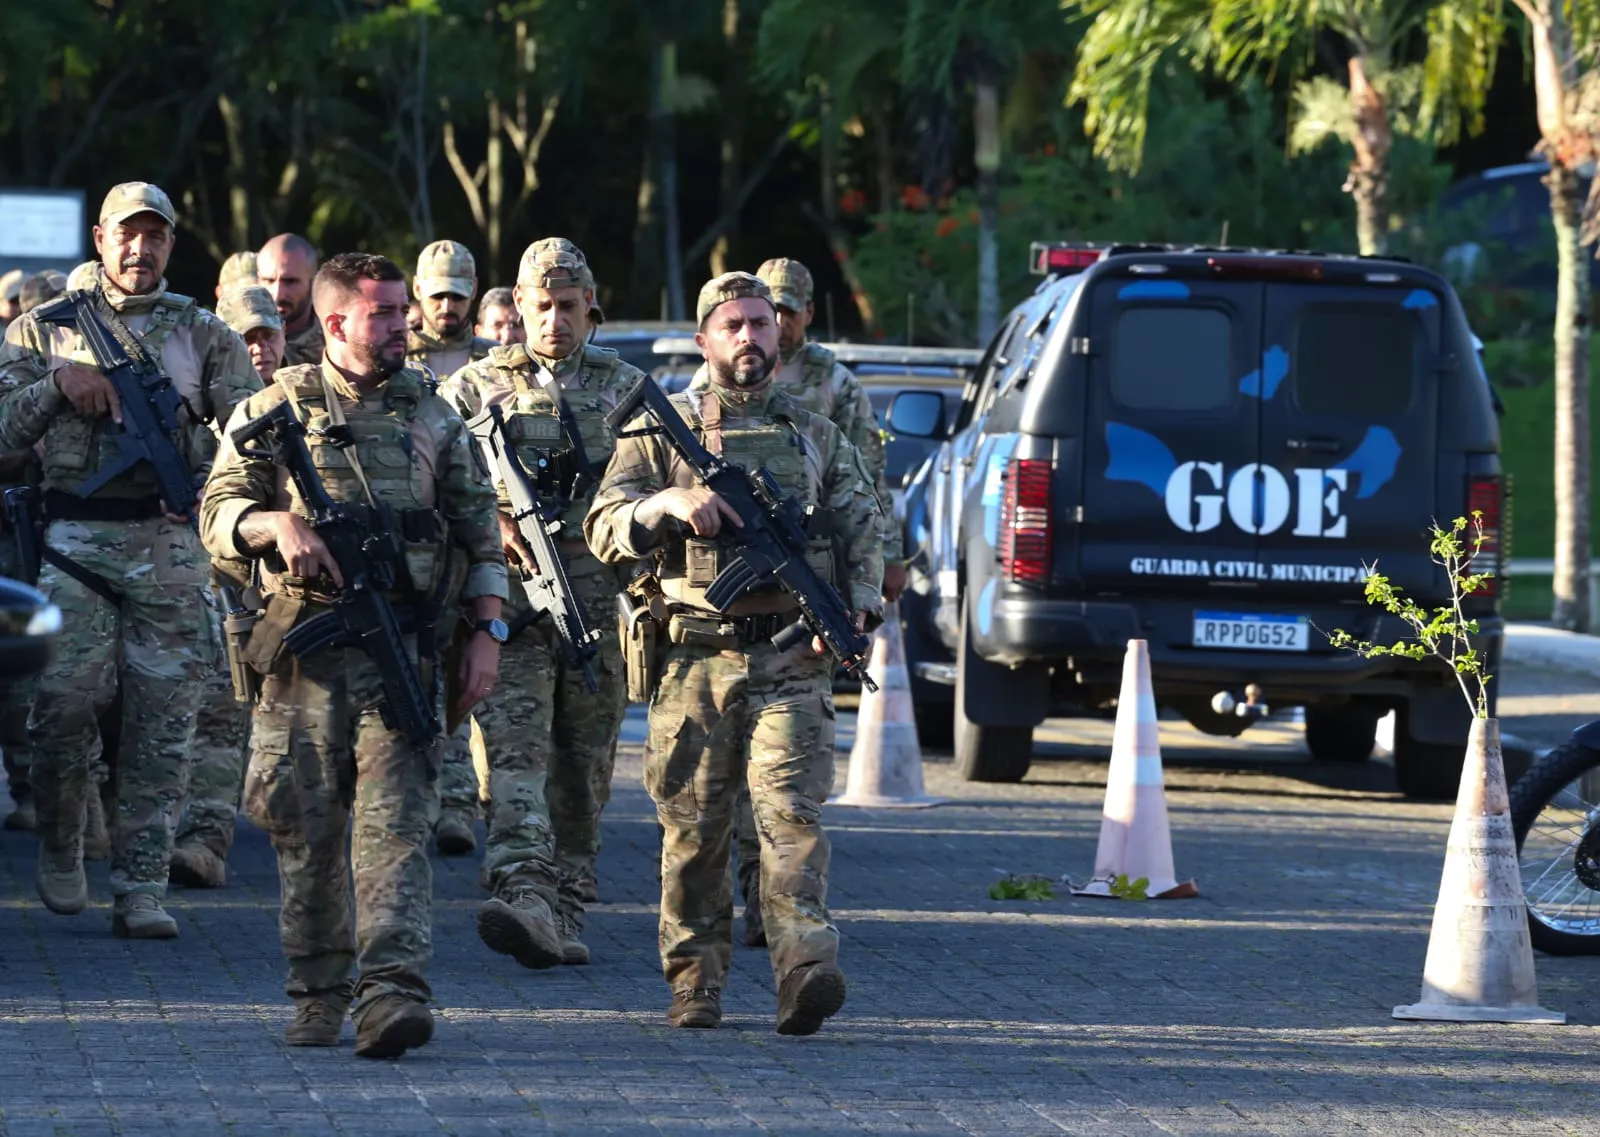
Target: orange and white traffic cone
[
  {"x": 1135, "y": 838},
  {"x": 886, "y": 760},
  {"x": 1480, "y": 959}
]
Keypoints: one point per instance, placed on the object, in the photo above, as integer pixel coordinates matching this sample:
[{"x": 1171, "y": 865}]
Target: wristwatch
[{"x": 496, "y": 629}]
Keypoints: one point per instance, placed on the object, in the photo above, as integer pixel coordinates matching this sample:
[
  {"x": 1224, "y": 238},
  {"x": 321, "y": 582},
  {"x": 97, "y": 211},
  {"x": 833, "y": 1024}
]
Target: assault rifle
[
  {"x": 150, "y": 404},
  {"x": 363, "y": 543},
  {"x": 770, "y": 548},
  {"x": 549, "y": 591}
]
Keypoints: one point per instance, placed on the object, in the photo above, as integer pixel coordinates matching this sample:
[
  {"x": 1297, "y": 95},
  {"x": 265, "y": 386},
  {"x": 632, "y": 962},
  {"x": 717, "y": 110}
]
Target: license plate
[{"x": 1249, "y": 631}]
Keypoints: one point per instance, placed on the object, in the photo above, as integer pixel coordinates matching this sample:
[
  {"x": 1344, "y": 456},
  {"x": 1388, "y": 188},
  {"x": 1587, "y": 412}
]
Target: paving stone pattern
[{"x": 1262, "y": 1007}]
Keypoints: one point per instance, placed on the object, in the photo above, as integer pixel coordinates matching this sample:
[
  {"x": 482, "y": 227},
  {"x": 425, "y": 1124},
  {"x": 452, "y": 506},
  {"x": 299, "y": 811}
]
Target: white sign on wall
[{"x": 41, "y": 224}]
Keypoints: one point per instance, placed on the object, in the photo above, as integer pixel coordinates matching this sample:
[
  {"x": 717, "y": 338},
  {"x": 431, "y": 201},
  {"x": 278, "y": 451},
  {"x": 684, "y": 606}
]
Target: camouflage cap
[
  {"x": 42, "y": 286},
  {"x": 730, "y": 286},
  {"x": 555, "y": 262},
  {"x": 790, "y": 282},
  {"x": 11, "y": 284},
  {"x": 239, "y": 269},
  {"x": 446, "y": 266},
  {"x": 132, "y": 198},
  {"x": 247, "y": 307}
]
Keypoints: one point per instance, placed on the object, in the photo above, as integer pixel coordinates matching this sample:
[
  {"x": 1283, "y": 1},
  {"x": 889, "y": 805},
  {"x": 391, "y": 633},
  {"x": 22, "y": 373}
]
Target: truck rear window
[
  {"x": 1354, "y": 361},
  {"x": 1177, "y": 359}
]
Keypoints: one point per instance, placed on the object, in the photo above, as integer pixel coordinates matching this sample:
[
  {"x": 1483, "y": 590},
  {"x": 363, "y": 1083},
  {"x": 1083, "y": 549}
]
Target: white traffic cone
[
  {"x": 1480, "y": 959},
  {"x": 886, "y": 760},
  {"x": 1135, "y": 839}
]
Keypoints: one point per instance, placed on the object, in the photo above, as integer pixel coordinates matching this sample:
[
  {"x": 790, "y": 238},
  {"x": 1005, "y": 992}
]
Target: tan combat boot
[
  {"x": 390, "y": 1025},
  {"x": 573, "y": 949},
  {"x": 195, "y": 866},
  {"x": 317, "y": 1022},
  {"x": 697, "y": 1008},
  {"x": 808, "y": 995},
  {"x": 454, "y": 835},
  {"x": 519, "y": 923},
  {"x": 139, "y": 916},
  {"x": 62, "y": 884}
]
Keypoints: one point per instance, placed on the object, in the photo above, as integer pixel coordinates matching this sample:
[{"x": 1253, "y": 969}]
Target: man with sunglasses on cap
[{"x": 550, "y": 741}]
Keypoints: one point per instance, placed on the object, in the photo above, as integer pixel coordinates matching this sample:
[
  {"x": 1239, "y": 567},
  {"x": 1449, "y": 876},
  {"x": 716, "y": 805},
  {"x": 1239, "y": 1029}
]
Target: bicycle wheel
[{"x": 1555, "y": 812}]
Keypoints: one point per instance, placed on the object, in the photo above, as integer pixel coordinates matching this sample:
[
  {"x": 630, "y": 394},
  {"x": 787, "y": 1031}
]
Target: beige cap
[
  {"x": 247, "y": 307},
  {"x": 790, "y": 282},
  {"x": 11, "y": 284},
  {"x": 238, "y": 269},
  {"x": 446, "y": 266},
  {"x": 729, "y": 286},
  {"x": 132, "y": 198},
  {"x": 42, "y": 286},
  {"x": 555, "y": 262}
]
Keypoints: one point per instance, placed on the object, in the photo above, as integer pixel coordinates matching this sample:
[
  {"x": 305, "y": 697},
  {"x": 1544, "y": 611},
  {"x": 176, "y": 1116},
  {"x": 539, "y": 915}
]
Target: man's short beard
[
  {"x": 301, "y": 312},
  {"x": 371, "y": 358},
  {"x": 729, "y": 376}
]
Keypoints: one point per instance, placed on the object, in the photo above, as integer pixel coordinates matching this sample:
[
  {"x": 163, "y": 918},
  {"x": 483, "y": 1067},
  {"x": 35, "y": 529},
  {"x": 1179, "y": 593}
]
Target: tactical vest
[
  {"x": 76, "y": 447},
  {"x": 773, "y": 442},
  {"x": 535, "y": 431},
  {"x": 385, "y": 452}
]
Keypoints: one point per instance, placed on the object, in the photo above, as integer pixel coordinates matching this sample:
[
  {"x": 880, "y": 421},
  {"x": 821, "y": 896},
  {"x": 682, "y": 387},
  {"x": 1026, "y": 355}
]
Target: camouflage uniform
[
  {"x": 319, "y": 747},
  {"x": 158, "y": 641},
  {"x": 721, "y": 713},
  {"x": 447, "y": 266},
  {"x": 551, "y": 744},
  {"x": 42, "y": 286},
  {"x": 205, "y": 831},
  {"x": 813, "y": 377}
]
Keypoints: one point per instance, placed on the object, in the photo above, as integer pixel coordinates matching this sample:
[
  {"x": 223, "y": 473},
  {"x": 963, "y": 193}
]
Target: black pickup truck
[{"x": 1204, "y": 448}]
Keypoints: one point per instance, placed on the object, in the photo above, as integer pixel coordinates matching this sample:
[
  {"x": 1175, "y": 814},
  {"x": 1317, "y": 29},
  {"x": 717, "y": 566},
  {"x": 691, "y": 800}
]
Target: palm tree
[{"x": 1126, "y": 39}]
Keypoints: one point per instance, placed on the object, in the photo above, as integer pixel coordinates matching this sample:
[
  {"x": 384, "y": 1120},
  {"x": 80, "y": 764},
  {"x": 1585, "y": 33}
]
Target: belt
[
  {"x": 61, "y": 506},
  {"x": 746, "y": 631}
]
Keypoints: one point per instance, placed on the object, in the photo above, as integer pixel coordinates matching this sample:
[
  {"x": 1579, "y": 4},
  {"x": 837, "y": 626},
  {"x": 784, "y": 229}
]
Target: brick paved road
[{"x": 1262, "y": 1007}]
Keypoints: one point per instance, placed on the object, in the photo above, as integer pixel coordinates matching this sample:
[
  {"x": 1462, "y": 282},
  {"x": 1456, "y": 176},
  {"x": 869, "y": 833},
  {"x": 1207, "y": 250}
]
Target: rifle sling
[
  {"x": 569, "y": 427},
  {"x": 136, "y": 350},
  {"x": 86, "y": 577}
]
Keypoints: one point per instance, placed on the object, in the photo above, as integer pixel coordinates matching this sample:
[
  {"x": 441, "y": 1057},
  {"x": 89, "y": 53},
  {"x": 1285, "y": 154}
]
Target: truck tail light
[
  {"x": 1025, "y": 521},
  {"x": 1485, "y": 497}
]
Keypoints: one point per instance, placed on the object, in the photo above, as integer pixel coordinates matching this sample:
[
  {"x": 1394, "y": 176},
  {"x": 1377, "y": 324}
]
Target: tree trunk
[
  {"x": 733, "y": 124},
  {"x": 1369, "y": 173},
  {"x": 239, "y": 173},
  {"x": 673, "y": 252},
  {"x": 1571, "y": 606},
  {"x": 645, "y": 278},
  {"x": 986, "y": 130},
  {"x": 494, "y": 195}
]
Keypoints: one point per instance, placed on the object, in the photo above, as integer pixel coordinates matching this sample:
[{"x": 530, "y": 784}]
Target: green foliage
[
  {"x": 1440, "y": 633},
  {"x": 1124, "y": 889},
  {"x": 1021, "y": 888},
  {"x": 1530, "y": 471}
]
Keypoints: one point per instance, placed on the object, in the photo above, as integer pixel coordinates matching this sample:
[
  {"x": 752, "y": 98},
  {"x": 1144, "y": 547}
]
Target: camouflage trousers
[
  {"x": 16, "y": 701},
  {"x": 720, "y": 719},
  {"x": 159, "y": 643},
  {"x": 461, "y": 790},
  {"x": 551, "y": 746},
  {"x": 320, "y": 752},
  {"x": 217, "y": 775}
]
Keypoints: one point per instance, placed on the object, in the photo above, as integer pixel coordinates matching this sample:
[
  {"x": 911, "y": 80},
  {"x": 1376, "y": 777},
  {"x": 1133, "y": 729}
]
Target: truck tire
[
  {"x": 1341, "y": 733},
  {"x": 936, "y": 724},
  {"x": 985, "y": 753}
]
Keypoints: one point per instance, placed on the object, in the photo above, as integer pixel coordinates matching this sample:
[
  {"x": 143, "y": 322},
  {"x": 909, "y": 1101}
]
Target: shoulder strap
[
  {"x": 711, "y": 421},
  {"x": 336, "y": 417}
]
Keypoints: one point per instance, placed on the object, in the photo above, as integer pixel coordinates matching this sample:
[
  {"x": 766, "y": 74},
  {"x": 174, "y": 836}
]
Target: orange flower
[
  {"x": 853, "y": 201},
  {"x": 912, "y": 197},
  {"x": 946, "y": 227}
]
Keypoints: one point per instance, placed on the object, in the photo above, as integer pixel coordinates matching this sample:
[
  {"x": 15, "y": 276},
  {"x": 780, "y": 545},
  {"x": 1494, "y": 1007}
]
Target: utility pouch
[
  {"x": 263, "y": 649},
  {"x": 698, "y": 631}
]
